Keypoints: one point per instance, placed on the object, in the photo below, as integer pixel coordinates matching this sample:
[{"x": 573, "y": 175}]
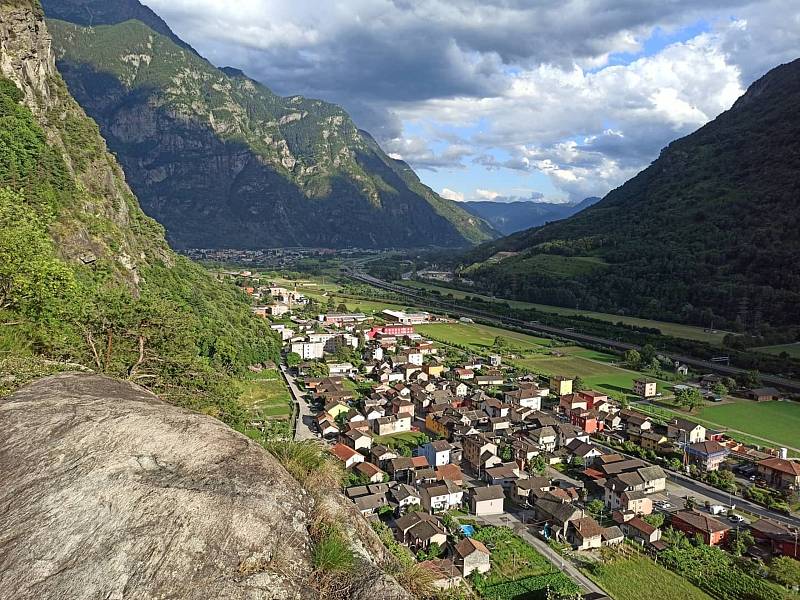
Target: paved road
[
  {"x": 304, "y": 416},
  {"x": 514, "y": 521},
  {"x": 534, "y": 328}
]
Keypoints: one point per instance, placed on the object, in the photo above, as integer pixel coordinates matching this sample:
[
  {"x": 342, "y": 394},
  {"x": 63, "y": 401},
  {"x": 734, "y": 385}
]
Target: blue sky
[{"x": 505, "y": 99}]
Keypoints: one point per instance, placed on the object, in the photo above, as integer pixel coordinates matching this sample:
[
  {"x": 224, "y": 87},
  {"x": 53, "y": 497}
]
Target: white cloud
[
  {"x": 452, "y": 195},
  {"x": 486, "y": 194}
]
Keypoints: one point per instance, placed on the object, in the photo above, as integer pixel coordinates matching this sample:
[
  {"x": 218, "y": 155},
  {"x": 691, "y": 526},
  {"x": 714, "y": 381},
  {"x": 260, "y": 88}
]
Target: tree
[
  {"x": 633, "y": 359},
  {"x": 655, "y": 519},
  {"x": 720, "y": 389},
  {"x": 739, "y": 541},
  {"x": 538, "y": 465},
  {"x": 318, "y": 369},
  {"x": 293, "y": 359},
  {"x": 785, "y": 570},
  {"x": 500, "y": 342},
  {"x": 578, "y": 384},
  {"x": 691, "y": 502},
  {"x": 749, "y": 379},
  {"x": 595, "y": 507},
  {"x": 506, "y": 454},
  {"x": 689, "y": 398},
  {"x": 648, "y": 353}
]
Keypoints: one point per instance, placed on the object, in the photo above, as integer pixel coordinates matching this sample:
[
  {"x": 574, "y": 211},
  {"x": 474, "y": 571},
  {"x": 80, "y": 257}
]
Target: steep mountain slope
[
  {"x": 709, "y": 229},
  {"x": 221, "y": 161},
  {"x": 85, "y": 276},
  {"x": 510, "y": 217}
]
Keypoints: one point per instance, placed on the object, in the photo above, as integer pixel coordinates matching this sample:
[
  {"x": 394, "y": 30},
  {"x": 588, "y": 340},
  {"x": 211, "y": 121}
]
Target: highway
[{"x": 538, "y": 328}]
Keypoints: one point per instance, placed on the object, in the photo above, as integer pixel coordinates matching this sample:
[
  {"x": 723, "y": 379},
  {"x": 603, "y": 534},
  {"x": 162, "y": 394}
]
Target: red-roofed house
[
  {"x": 779, "y": 472},
  {"x": 347, "y": 455},
  {"x": 692, "y": 523}
]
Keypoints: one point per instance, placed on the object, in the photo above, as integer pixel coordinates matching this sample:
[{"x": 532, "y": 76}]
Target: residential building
[
  {"x": 640, "y": 530},
  {"x": 369, "y": 471},
  {"x": 487, "y": 500},
  {"x": 437, "y": 452},
  {"x": 347, "y": 455},
  {"x": 480, "y": 451},
  {"x": 308, "y": 350},
  {"x": 561, "y": 385},
  {"x": 471, "y": 555},
  {"x": 685, "y": 432},
  {"x": 644, "y": 388},
  {"x": 404, "y": 318},
  {"x": 405, "y": 495},
  {"x": 780, "y": 473},
  {"x": 391, "y": 424},
  {"x": 706, "y": 456},
  {"x": 418, "y": 530},
  {"x": 555, "y": 517},
  {"x": 442, "y": 496},
  {"x": 585, "y": 533},
  {"x": 692, "y": 523}
]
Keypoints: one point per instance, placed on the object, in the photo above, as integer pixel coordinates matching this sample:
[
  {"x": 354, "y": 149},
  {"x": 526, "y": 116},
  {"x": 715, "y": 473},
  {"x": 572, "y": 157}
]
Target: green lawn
[
  {"x": 792, "y": 350},
  {"x": 266, "y": 394},
  {"x": 591, "y": 366},
  {"x": 677, "y": 330},
  {"x": 411, "y": 437},
  {"x": 481, "y": 337},
  {"x": 639, "y": 577},
  {"x": 778, "y": 421},
  {"x": 512, "y": 557}
]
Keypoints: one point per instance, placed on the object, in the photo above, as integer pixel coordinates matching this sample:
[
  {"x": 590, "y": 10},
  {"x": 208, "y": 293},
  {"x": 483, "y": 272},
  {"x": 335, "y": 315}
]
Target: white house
[
  {"x": 437, "y": 452},
  {"x": 441, "y": 496}
]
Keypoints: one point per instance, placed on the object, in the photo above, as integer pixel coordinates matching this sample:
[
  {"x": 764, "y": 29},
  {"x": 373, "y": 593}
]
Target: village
[{"x": 458, "y": 457}]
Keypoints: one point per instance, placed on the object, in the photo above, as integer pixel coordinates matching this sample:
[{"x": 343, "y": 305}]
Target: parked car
[{"x": 736, "y": 518}]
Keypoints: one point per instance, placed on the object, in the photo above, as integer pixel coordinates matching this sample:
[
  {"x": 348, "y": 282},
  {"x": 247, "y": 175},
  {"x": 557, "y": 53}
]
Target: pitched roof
[
  {"x": 708, "y": 447},
  {"x": 343, "y": 453},
  {"x": 468, "y": 546},
  {"x": 612, "y": 533},
  {"x": 560, "y": 511},
  {"x": 641, "y": 525},
  {"x": 490, "y": 492},
  {"x": 684, "y": 424},
  {"x": 781, "y": 464},
  {"x": 700, "y": 521},
  {"x": 587, "y": 527},
  {"x": 451, "y": 472},
  {"x": 651, "y": 473}
]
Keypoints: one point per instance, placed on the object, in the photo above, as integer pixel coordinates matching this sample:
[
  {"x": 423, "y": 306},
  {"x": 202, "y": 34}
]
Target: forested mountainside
[
  {"x": 510, "y": 217},
  {"x": 706, "y": 234},
  {"x": 222, "y": 162},
  {"x": 85, "y": 277}
]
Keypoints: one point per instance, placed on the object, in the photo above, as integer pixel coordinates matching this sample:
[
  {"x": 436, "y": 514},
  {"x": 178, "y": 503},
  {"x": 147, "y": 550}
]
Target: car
[
  {"x": 736, "y": 518},
  {"x": 753, "y": 477}
]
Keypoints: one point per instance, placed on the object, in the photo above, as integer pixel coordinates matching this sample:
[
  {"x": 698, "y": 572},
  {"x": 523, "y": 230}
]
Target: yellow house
[
  {"x": 561, "y": 385},
  {"x": 433, "y": 370},
  {"x": 434, "y": 425},
  {"x": 334, "y": 409}
]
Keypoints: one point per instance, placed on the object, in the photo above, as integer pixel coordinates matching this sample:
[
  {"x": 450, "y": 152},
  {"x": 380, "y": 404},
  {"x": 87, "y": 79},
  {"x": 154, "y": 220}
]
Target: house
[
  {"x": 404, "y": 318},
  {"x": 326, "y": 425},
  {"x": 706, "y": 456},
  {"x": 523, "y": 489},
  {"x": 648, "y": 440},
  {"x": 336, "y": 408},
  {"x": 369, "y": 471},
  {"x": 437, "y": 452},
  {"x": 380, "y": 454},
  {"x": 444, "y": 574},
  {"x": 783, "y": 540},
  {"x": 587, "y": 420},
  {"x": 492, "y": 378},
  {"x": 544, "y": 437},
  {"x": 585, "y": 533},
  {"x": 450, "y": 473},
  {"x": 561, "y": 385},
  {"x": 308, "y": 350},
  {"x": 356, "y": 439},
  {"x": 441, "y": 496},
  {"x": 347, "y": 455},
  {"x": 612, "y": 536},
  {"x": 633, "y": 419},
  {"x": 465, "y": 374},
  {"x": 480, "y": 451},
  {"x": 779, "y": 473},
  {"x": 692, "y": 523},
  {"x": 471, "y": 555},
  {"x": 528, "y": 396},
  {"x": 487, "y": 500},
  {"x": 764, "y": 394},
  {"x": 685, "y": 432},
  {"x": 419, "y": 530},
  {"x": 644, "y": 388},
  {"x": 346, "y": 369},
  {"x": 504, "y": 474},
  {"x": 369, "y": 504},
  {"x": 555, "y": 516},
  {"x": 588, "y": 453},
  {"x": 405, "y": 495},
  {"x": 641, "y": 531},
  {"x": 571, "y": 402},
  {"x": 391, "y": 424}
]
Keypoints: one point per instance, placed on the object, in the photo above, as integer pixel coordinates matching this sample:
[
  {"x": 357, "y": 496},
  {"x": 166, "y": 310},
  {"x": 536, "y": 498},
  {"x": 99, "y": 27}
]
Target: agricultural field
[
  {"x": 792, "y": 350},
  {"x": 266, "y": 395},
  {"x": 677, "y": 330},
  {"x": 626, "y": 578},
  {"x": 481, "y": 337},
  {"x": 778, "y": 420}
]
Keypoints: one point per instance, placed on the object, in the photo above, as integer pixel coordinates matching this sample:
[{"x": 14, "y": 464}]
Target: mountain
[
  {"x": 707, "y": 233},
  {"x": 510, "y": 217},
  {"x": 223, "y": 162},
  {"x": 87, "y": 280}
]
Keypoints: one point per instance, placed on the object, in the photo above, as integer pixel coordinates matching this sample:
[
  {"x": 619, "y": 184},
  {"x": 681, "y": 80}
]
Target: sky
[{"x": 546, "y": 100}]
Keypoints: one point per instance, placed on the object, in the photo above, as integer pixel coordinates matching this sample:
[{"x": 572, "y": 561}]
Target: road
[
  {"x": 305, "y": 418},
  {"x": 537, "y": 328},
  {"x": 512, "y": 520}
]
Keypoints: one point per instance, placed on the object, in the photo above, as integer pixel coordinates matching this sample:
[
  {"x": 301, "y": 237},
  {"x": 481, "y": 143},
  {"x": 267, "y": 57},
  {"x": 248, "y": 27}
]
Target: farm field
[
  {"x": 587, "y": 364},
  {"x": 625, "y": 579},
  {"x": 778, "y": 421},
  {"x": 677, "y": 330},
  {"x": 266, "y": 395},
  {"x": 792, "y": 350},
  {"x": 481, "y": 337}
]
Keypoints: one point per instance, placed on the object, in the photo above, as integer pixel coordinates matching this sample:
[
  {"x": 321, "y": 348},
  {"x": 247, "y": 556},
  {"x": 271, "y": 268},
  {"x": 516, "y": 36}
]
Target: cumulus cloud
[
  {"x": 452, "y": 195},
  {"x": 547, "y": 87}
]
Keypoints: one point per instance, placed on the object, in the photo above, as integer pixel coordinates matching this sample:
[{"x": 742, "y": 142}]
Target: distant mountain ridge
[
  {"x": 223, "y": 162},
  {"x": 706, "y": 234},
  {"x": 510, "y": 217}
]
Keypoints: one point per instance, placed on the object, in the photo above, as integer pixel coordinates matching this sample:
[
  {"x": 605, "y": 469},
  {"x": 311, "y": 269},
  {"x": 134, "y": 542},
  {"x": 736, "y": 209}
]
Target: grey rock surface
[{"x": 108, "y": 492}]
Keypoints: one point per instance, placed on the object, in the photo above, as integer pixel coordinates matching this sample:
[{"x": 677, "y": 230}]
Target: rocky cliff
[
  {"x": 110, "y": 493},
  {"x": 222, "y": 161}
]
